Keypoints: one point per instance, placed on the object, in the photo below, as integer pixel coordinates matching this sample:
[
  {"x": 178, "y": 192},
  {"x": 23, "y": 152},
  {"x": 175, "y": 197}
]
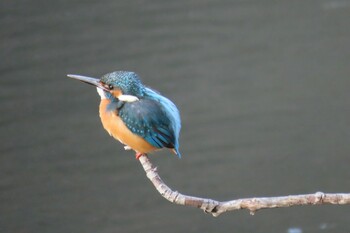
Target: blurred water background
[{"x": 263, "y": 89}]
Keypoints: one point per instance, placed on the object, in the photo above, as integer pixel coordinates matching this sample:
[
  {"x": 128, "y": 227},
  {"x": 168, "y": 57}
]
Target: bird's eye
[{"x": 110, "y": 87}]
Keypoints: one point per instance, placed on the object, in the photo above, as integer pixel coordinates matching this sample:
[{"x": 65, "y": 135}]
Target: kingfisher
[{"x": 139, "y": 117}]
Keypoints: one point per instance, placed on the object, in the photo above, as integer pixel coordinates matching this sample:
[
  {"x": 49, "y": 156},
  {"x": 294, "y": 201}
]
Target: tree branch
[{"x": 252, "y": 204}]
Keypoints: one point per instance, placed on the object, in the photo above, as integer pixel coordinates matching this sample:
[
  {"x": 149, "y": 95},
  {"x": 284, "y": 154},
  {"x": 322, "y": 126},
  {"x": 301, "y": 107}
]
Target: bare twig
[{"x": 252, "y": 204}]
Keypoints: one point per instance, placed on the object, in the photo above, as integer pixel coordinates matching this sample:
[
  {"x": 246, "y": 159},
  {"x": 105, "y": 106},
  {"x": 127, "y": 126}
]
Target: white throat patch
[{"x": 102, "y": 93}]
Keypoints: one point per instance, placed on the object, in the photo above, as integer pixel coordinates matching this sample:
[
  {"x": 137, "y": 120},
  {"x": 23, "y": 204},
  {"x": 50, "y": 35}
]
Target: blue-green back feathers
[{"x": 147, "y": 119}]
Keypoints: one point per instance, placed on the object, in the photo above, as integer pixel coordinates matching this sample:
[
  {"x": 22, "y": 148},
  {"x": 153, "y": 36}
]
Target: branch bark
[{"x": 216, "y": 208}]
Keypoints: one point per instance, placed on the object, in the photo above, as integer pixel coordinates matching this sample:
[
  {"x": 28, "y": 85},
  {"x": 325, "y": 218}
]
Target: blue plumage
[
  {"x": 153, "y": 117},
  {"x": 127, "y": 81},
  {"x": 147, "y": 119}
]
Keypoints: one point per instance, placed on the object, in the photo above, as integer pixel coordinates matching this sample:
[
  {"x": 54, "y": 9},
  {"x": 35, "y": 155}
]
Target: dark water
[{"x": 263, "y": 89}]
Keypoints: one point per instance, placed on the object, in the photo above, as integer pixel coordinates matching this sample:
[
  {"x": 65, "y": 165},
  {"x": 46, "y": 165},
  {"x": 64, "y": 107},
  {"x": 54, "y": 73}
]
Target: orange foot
[{"x": 138, "y": 155}]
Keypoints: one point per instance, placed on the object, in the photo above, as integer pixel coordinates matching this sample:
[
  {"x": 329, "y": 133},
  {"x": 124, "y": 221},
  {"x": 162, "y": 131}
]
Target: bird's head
[{"x": 122, "y": 85}]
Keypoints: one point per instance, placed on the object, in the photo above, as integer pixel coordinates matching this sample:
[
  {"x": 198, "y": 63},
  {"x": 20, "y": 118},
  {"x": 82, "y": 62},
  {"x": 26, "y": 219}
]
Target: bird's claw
[{"x": 138, "y": 155}]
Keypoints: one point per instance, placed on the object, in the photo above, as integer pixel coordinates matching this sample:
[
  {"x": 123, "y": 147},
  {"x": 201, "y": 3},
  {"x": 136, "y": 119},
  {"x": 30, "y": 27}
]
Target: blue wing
[{"x": 149, "y": 119}]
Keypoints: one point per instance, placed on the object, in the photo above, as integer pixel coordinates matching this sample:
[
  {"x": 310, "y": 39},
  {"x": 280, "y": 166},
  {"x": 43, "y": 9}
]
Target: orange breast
[{"x": 116, "y": 128}]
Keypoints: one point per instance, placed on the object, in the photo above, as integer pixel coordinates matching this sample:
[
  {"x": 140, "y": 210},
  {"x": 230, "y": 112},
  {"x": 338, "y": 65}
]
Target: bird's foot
[
  {"x": 138, "y": 155},
  {"x": 127, "y": 148}
]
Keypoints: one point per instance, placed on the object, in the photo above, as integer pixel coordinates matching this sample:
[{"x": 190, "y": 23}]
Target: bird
[{"x": 139, "y": 117}]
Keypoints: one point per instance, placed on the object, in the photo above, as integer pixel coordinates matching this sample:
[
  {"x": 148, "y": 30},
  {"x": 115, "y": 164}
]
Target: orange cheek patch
[{"x": 116, "y": 93}]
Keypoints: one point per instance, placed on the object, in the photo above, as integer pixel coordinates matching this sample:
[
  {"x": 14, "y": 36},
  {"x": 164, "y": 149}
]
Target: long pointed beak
[{"x": 92, "y": 81}]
